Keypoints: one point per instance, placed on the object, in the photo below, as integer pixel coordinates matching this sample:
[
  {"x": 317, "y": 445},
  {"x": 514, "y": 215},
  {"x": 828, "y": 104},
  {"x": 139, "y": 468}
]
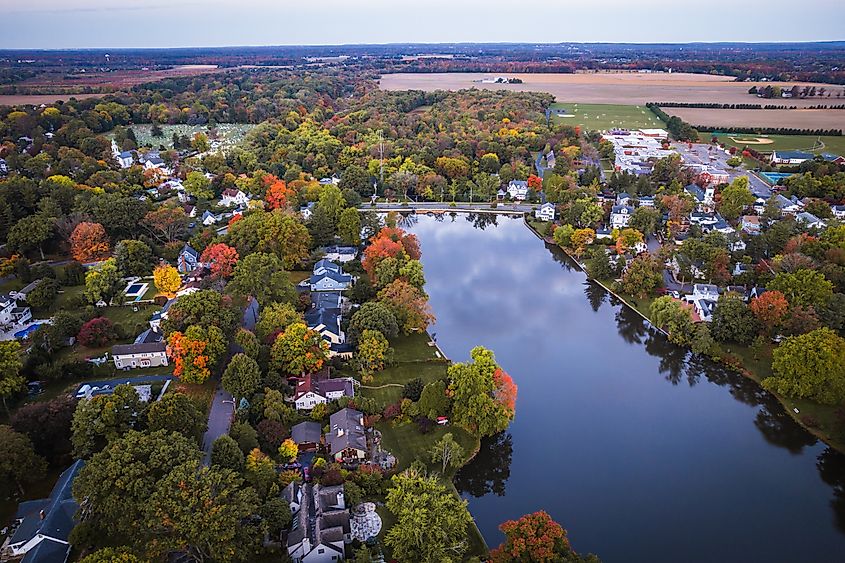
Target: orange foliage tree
[
  {"x": 770, "y": 309},
  {"x": 505, "y": 389},
  {"x": 408, "y": 304},
  {"x": 89, "y": 242},
  {"x": 390, "y": 242},
  {"x": 534, "y": 537},
  {"x": 221, "y": 259},
  {"x": 278, "y": 195},
  {"x": 190, "y": 363},
  {"x": 535, "y": 182}
]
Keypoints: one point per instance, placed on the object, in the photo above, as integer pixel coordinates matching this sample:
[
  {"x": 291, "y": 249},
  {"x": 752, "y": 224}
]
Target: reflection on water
[{"x": 705, "y": 468}]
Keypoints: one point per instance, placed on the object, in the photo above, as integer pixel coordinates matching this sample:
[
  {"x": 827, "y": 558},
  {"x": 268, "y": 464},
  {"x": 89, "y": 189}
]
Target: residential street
[{"x": 219, "y": 420}]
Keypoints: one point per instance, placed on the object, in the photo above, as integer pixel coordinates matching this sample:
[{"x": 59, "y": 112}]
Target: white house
[
  {"x": 11, "y": 314},
  {"x": 130, "y": 356},
  {"x": 750, "y": 224},
  {"x": 788, "y": 206},
  {"x": 341, "y": 253},
  {"x": 791, "y": 157},
  {"x": 620, "y": 216},
  {"x": 321, "y": 525},
  {"x": 810, "y": 221},
  {"x": 307, "y": 210},
  {"x": 312, "y": 390},
  {"x": 232, "y": 197},
  {"x": 518, "y": 189},
  {"x": 4, "y": 169},
  {"x": 646, "y": 201},
  {"x": 838, "y": 211},
  {"x": 346, "y": 437},
  {"x": 330, "y": 281},
  {"x": 209, "y": 218},
  {"x": 545, "y": 212}
]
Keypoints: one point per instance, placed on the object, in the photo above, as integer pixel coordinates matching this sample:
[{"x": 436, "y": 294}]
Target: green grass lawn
[
  {"x": 832, "y": 144},
  {"x": 607, "y": 116},
  {"x": 413, "y": 348},
  {"x": 407, "y": 443},
  {"x": 297, "y": 276}
]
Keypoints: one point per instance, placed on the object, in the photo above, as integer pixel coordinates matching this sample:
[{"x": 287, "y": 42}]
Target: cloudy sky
[{"x": 177, "y": 23}]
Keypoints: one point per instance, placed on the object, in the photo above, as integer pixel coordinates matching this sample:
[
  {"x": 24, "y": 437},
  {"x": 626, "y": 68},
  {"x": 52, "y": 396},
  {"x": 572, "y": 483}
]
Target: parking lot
[{"x": 715, "y": 157}]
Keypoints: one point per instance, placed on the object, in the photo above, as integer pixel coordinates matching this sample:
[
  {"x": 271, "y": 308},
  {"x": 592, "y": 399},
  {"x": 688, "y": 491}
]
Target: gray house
[{"x": 346, "y": 438}]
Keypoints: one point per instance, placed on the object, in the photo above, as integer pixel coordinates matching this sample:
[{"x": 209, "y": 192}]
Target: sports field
[
  {"x": 601, "y": 117},
  {"x": 769, "y": 143}
]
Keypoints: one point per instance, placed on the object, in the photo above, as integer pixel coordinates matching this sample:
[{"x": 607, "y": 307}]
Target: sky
[{"x": 59, "y": 24}]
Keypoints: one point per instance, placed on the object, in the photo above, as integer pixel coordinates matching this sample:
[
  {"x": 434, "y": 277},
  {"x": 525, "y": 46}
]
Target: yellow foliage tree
[{"x": 167, "y": 279}]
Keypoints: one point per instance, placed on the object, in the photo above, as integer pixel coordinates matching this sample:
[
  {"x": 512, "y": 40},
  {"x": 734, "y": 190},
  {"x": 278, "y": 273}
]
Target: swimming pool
[
  {"x": 21, "y": 334},
  {"x": 773, "y": 177},
  {"x": 134, "y": 289}
]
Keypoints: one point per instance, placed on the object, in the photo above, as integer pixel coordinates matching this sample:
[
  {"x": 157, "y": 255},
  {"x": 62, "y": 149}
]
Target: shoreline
[{"x": 829, "y": 441}]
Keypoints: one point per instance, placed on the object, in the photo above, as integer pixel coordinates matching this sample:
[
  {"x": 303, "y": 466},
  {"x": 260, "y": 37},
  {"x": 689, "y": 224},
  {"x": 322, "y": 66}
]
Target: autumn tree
[
  {"x": 482, "y": 397},
  {"x": 810, "y": 366},
  {"x": 166, "y": 223},
  {"x": 627, "y": 240},
  {"x": 89, "y": 242},
  {"x": 536, "y": 538},
  {"x": 373, "y": 351},
  {"x": 97, "y": 332},
  {"x": 408, "y": 304},
  {"x": 260, "y": 471},
  {"x": 278, "y": 195},
  {"x": 298, "y": 350},
  {"x": 580, "y": 239},
  {"x": 288, "y": 451},
  {"x": 167, "y": 279},
  {"x": 47, "y": 424},
  {"x": 643, "y": 276},
  {"x": 221, "y": 259},
  {"x": 195, "y": 352}
]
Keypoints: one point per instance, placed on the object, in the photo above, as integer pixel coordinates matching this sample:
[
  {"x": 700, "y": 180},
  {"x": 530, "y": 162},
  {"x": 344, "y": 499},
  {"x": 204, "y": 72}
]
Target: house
[
  {"x": 646, "y": 201},
  {"x": 44, "y": 525},
  {"x": 190, "y": 210},
  {"x": 741, "y": 269},
  {"x": 22, "y": 293},
  {"x": 4, "y": 168},
  {"x": 545, "y": 212},
  {"x": 735, "y": 243},
  {"x": 327, "y": 323},
  {"x": 603, "y": 233},
  {"x": 620, "y": 216},
  {"x": 518, "y": 190},
  {"x": 333, "y": 180},
  {"x": 838, "y": 211},
  {"x": 340, "y": 254},
  {"x": 833, "y": 158},
  {"x": 810, "y": 221},
  {"x": 320, "y": 527},
  {"x": 232, "y": 197},
  {"x": 187, "y": 260},
  {"x": 750, "y": 224},
  {"x": 703, "y": 197},
  {"x": 791, "y": 157},
  {"x": 307, "y": 435},
  {"x": 158, "y": 316},
  {"x": 11, "y": 314},
  {"x": 624, "y": 199},
  {"x": 330, "y": 281},
  {"x": 346, "y": 438},
  {"x": 208, "y": 218},
  {"x": 705, "y": 291},
  {"x": 788, "y": 206},
  {"x": 324, "y": 266},
  {"x": 703, "y": 299},
  {"x": 130, "y": 356},
  {"x": 313, "y": 390},
  {"x": 307, "y": 210}
]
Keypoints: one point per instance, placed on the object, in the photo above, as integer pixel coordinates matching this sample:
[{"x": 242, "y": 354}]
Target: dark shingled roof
[
  {"x": 123, "y": 349},
  {"x": 306, "y": 432}
]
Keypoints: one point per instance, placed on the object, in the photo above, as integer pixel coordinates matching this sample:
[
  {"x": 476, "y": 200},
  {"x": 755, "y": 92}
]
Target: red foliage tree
[
  {"x": 770, "y": 309},
  {"x": 221, "y": 258},
  {"x": 535, "y": 182},
  {"x": 278, "y": 195},
  {"x": 89, "y": 242},
  {"x": 534, "y": 537},
  {"x": 505, "y": 391},
  {"x": 96, "y": 333},
  {"x": 390, "y": 242}
]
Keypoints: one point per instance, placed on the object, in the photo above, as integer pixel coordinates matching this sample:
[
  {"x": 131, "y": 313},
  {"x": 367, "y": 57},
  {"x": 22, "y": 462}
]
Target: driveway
[{"x": 219, "y": 420}]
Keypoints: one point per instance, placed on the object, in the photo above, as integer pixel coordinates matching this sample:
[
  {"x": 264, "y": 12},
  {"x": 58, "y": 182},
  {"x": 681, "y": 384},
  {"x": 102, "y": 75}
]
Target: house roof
[
  {"x": 695, "y": 191},
  {"x": 326, "y": 300},
  {"x": 306, "y": 432},
  {"x": 792, "y": 155},
  {"x": 188, "y": 249},
  {"x": 59, "y": 510},
  {"x": 340, "y": 278},
  {"x": 48, "y": 551},
  {"x": 830, "y": 157},
  {"x": 346, "y": 431},
  {"x": 326, "y": 264},
  {"x": 341, "y": 250},
  {"x": 231, "y": 192},
  {"x": 518, "y": 184},
  {"x": 145, "y": 348},
  {"x": 622, "y": 209}
]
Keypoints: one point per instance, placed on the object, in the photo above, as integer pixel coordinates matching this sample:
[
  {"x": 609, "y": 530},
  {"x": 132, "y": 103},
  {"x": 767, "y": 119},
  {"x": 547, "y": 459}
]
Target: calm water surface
[{"x": 642, "y": 451}]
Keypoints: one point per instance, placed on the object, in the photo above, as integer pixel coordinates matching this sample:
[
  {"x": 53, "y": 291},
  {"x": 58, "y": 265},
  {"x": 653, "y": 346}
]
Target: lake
[{"x": 642, "y": 451}]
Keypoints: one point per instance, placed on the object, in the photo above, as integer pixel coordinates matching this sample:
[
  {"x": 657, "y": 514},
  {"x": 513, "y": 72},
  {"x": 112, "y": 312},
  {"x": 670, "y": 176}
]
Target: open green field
[
  {"x": 607, "y": 116},
  {"x": 812, "y": 143}
]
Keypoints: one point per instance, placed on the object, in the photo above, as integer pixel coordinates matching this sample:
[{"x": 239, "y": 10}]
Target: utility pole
[{"x": 381, "y": 156}]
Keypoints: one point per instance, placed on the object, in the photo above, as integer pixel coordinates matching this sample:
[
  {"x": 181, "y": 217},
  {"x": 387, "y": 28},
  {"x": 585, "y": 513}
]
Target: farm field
[
  {"x": 769, "y": 143},
  {"x": 38, "y": 99},
  {"x": 797, "y": 118},
  {"x": 229, "y": 134},
  {"x": 607, "y": 116},
  {"x": 604, "y": 88}
]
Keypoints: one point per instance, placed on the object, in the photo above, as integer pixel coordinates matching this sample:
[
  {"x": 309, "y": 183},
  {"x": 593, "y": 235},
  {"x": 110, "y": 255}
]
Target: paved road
[
  {"x": 219, "y": 420},
  {"x": 459, "y": 206}
]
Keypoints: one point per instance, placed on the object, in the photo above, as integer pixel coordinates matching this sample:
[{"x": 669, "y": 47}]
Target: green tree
[
  {"x": 176, "y": 412},
  {"x": 673, "y": 317},
  {"x": 111, "y": 555},
  {"x": 703, "y": 342},
  {"x": 242, "y": 376},
  {"x": 733, "y": 321},
  {"x": 30, "y": 233},
  {"x": 643, "y": 276},
  {"x": 563, "y": 235},
  {"x": 298, "y": 350},
  {"x": 474, "y": 403},
  {"x": 103, "y": 282},
  {"x": 263, "y": 276},
  {"x": 803, "y": 287},
  {"x": 132, "y": 466},
  {"x": 373, "y": 352},
  {"x": 18, "y": 460},
  {"x": 275, "y": 318},
  {"x": 448, "y": 452},
  {"x": 226, "y": 453},
  {"x": 103, "y": 419},
  {"x": 133, "y": 258},
  {"x": 245, "y": 436},
  {"x": 248, "y": 342},
  {"x": 198, "y": 186},
  {"x": 204, "y": 512},
  {"x": 434, "y": 400},
  {"x": 735, "y": 198},
  {"x": 349, "y": 226},
  {"x": 645, "y": 220},
  {"x": 431, "y": 522},
  {"x": 204, "y": 308},
  {"x": 11, "y": 380},
  {"x": 331, "y": 203},
  {"x": 810, "y": 366},
  {"x": 275, "y": 512}
]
